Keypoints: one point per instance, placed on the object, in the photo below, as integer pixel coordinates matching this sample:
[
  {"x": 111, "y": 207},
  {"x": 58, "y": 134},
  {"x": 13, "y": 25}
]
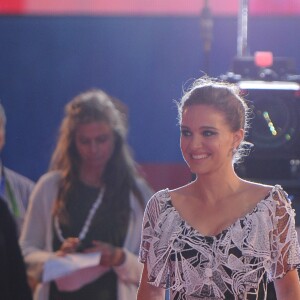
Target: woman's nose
[
  {"x": 196, "y": 142},
  {"x": 93, "y": 146}
]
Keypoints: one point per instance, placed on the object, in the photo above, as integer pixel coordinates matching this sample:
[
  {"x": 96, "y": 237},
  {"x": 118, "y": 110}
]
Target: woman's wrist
[{"x": 118, "y": 257}]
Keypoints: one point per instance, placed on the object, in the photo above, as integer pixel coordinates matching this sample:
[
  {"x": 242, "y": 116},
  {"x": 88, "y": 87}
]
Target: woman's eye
[
  {"x": 185, "y": 133},
  {"x": 84, "y": 142},
  {"x": 102, "y": 139},
  {"x": 208, "y": 133}
]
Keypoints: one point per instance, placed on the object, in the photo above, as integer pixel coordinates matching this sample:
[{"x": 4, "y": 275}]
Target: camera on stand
[{"x": 272, "y": 89}]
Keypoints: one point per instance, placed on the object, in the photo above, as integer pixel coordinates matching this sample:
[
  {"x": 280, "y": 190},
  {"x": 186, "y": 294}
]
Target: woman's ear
[{"x": 238, "y": 137}]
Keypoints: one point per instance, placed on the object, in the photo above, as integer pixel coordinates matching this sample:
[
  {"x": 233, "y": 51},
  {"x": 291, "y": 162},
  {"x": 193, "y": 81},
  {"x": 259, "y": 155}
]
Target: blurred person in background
[
  {"x": 15, "y": 188},
  {"x": 92, "y": 200},
  {"x": 13, "y": 283}
]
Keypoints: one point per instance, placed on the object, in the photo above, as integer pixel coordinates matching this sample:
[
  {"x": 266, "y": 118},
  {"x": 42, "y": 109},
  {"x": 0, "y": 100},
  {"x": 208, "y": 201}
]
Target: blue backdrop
[{"x": 144, "y": 61}]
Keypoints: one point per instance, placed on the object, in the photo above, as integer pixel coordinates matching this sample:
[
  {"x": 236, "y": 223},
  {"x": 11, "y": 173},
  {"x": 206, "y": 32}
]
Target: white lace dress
[{"x": 234, "y": 264}]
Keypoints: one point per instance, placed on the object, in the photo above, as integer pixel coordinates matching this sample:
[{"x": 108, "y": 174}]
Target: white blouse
[{"x": 235, "y": 264}]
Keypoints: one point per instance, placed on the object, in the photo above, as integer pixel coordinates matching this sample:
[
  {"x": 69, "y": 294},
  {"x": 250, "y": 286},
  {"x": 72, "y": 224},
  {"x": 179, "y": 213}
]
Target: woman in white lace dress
[{"x": 218, "y": 237}]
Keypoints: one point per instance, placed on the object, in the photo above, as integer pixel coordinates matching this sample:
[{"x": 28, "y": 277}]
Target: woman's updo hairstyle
[{"x": 226, "y": 98}]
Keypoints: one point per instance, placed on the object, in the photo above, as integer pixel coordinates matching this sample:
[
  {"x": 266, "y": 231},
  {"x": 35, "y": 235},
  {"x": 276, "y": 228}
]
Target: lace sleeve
[
  {"x": 151, "y": 215},
  {"x": 285, "y": 252}
]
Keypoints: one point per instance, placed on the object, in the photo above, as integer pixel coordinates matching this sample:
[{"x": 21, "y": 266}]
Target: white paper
[{"x": 59, "y": 266}]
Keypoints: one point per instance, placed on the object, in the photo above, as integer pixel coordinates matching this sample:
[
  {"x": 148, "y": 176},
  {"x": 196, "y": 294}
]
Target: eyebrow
[{"x": 202, "y": 127}]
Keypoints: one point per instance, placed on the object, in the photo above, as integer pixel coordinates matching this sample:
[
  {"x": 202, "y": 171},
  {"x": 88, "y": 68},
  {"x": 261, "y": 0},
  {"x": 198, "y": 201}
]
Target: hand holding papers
[{"x": 60, "y": 266}]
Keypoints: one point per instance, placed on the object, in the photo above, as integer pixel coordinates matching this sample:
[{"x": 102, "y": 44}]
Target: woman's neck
[
  {"x": 91, "y": 176},
  {"x": 215, "y": 187}
]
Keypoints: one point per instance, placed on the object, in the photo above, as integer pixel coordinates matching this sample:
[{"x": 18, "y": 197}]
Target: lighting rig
[{"x": 272, "y": 87}]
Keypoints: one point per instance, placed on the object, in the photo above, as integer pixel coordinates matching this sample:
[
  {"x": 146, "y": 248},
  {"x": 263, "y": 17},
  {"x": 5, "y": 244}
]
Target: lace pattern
[{"x": 231, "y": 265}]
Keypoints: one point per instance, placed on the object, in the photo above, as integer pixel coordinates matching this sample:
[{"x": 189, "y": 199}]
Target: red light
[{"x": 263, "y": 59}]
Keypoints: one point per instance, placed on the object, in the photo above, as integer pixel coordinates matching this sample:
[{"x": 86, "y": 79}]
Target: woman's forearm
[
  {"x": 147, "y": 291},
  {"x": 131, "y": 269},
  {"x": 288, "y": 287}
]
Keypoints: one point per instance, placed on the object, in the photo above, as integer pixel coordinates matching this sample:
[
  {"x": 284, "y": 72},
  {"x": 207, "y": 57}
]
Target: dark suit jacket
[{"x": 13, "y": 281}]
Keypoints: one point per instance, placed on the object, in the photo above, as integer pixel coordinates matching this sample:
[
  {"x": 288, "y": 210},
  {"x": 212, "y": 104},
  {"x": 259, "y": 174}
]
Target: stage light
[
  {"x": 275, "y": 127},
  {"x": 275, "y": 130},
  {"x": 271, "y": 85}
]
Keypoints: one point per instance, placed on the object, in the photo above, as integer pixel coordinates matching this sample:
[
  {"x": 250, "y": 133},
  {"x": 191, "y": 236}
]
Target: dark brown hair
[{"x": 226, "y": 98}]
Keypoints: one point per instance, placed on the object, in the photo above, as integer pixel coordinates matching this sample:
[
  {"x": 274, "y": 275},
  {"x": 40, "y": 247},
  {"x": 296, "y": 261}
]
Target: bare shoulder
[
  {"x": 180, "y": 192},
  {"x": 257, "y": 190}
]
